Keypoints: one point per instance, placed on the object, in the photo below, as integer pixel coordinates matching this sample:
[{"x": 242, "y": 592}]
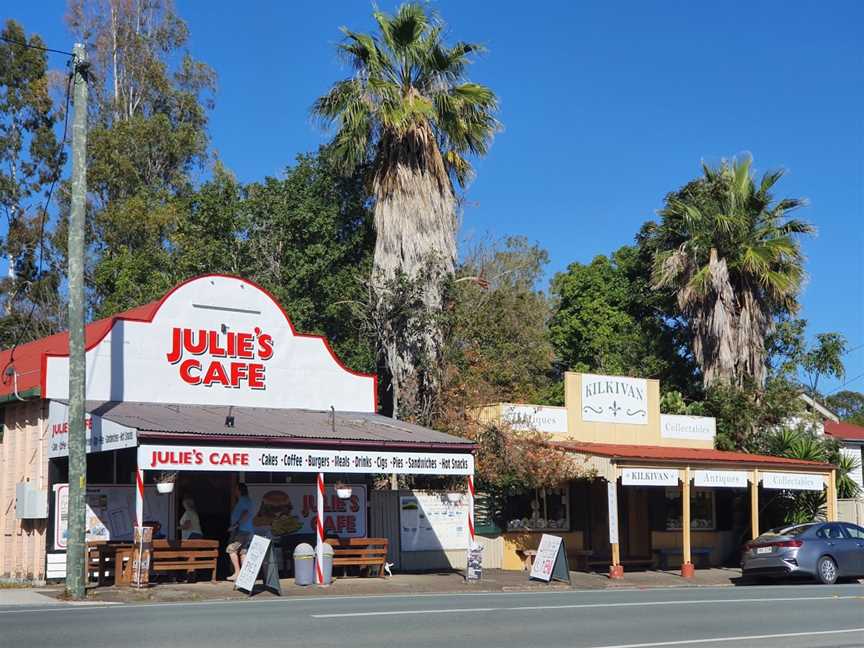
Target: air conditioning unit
[{"x": 30, "y": 502}]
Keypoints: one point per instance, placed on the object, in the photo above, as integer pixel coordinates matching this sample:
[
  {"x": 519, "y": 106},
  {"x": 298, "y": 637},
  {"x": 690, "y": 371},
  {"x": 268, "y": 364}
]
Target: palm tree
[
  {"x": 732, "y": 257},
  {"x": 408, "y": 113}
]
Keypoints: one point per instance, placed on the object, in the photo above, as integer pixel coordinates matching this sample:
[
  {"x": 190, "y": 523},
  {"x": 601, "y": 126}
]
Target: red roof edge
[
  {"x": 844, "y": 431},
  {"x": 27, "y": 359},
  {"x": 681, "y": 455}
]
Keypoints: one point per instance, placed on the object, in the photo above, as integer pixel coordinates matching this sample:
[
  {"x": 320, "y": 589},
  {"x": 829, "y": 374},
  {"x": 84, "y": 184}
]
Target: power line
[
  {"x": 56, "y": 175},
  {"x": 851, "y": 380},
  {"x": 36, "y": 47}
]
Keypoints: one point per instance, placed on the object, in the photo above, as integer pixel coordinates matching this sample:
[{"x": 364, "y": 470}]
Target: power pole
[{"x": 76, "y": 542}]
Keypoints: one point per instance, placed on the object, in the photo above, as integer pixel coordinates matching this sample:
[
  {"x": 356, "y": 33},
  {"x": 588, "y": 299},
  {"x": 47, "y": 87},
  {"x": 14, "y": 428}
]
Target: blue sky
[{"x": 606, "y": 107}]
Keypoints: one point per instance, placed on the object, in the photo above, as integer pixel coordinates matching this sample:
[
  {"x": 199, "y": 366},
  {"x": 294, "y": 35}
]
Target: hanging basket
[
  {"x": 165, "y": 482},
  {"x": 343, "y": 491}
]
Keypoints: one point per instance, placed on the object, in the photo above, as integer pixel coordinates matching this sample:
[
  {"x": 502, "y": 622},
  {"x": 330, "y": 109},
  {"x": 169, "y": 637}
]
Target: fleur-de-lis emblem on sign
[{"x": 614, "y": 409}]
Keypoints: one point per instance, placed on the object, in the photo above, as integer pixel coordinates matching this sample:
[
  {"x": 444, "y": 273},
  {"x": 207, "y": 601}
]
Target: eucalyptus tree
[
  {"x": 731, "y": 255},
  {"x": 31, "y": 159},
  {"x": 409, "y": 113}
]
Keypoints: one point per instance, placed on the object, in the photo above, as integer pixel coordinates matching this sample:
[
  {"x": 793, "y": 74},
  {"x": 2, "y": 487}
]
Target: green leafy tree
[
  {"x": 30, "y": 161},
  {"x": 731, "y": 254},
  {"x": 147, "y": 136},
  {"x": 608, "y": 319},
  {"x": 308, "y": 239},
  {"x": 848, "y": 405},
  {"x": 408, "y": 113}
]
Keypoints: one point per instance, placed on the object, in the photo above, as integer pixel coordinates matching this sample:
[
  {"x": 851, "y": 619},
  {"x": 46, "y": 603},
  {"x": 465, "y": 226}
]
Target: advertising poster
[
  {"x": 111, "y": 513},
  {"x": 290, "y": 509},
  {"x": 433, "y": 521}
]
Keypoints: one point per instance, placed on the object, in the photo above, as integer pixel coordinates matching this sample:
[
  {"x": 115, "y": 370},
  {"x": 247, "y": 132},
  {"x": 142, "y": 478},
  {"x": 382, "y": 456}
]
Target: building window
[
  {"x": 543, "y": 509},
  {"x": 703, "y": 510}
]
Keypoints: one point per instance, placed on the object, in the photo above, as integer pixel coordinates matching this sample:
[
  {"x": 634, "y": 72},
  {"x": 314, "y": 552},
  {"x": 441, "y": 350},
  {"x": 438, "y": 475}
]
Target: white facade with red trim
[{"x": 216, "y": 340}]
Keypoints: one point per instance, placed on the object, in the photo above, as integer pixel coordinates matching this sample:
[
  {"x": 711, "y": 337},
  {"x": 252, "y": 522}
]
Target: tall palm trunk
[{"x": 414, "y": 214}]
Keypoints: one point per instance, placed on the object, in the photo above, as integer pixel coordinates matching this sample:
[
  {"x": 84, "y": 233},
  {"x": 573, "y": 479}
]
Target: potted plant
[
  {"x": 165, "y": 482},
  {"x": 343, "y": 491}
]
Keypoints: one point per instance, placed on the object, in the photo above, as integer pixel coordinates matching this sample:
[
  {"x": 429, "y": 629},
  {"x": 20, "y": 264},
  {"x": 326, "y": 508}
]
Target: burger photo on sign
[{"x": 275, "y": 513}]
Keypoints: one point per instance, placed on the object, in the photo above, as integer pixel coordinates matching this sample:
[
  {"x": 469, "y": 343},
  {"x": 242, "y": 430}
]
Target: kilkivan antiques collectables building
[
  {"x": 207, "y": 387},
  {"x": 663, "y": 496}
]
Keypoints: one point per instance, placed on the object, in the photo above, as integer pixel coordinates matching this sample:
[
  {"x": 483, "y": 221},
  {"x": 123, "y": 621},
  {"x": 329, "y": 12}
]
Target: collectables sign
[
  {"x": 689, "y": 428},
  {"x": 650, "y": 476},
  {"x": 256, "y": 459},
  {"x": 614, "y": 399},
  {"x": 793, "y": 481},
  {"x": 720, "y": 478}
]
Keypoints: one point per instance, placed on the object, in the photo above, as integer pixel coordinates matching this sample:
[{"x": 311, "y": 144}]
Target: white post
[
  {"x": 139, "y": 497},
  {"x": 319, "y": 532}
]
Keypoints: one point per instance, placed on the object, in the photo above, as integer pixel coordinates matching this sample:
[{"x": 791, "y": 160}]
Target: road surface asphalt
[{"x": 766, "y": 616}]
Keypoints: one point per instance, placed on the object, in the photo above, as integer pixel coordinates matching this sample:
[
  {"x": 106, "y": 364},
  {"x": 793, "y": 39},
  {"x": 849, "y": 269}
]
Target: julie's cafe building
[{"x": 205, "y": 388}]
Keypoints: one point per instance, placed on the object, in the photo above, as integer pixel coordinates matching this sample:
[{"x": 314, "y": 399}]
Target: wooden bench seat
[
  {"x": 185, "y": 555},
  {"x": 360, "y": 552}
]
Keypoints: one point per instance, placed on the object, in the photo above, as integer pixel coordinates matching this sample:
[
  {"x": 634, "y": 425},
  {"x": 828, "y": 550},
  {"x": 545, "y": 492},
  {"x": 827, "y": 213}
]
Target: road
[{"x": 772, "y": 616}]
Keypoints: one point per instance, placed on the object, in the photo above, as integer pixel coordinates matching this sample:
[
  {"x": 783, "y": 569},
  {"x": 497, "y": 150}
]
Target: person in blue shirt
[{"x": 241, "y": 529}]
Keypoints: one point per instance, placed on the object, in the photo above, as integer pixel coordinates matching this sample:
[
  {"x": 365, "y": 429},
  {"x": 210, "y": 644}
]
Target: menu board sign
[
  {"x": 302, "y": 460},
  {"x": 110, "y": 513},
  {"x": 551, "y": 560},
  {"x": 433, "y": 521}
]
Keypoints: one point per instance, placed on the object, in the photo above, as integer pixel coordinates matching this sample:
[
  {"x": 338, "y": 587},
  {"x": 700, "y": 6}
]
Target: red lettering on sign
[
  {"x": 215, "y": 374},
  {"x": 232, "y": 344},
  {"x": 265, "y": 345},
  {"x": 245, "y": 346},
  {"x": 186, "y": 371},
  {"x": 239, "y": 370},
  {"x": 256, "y": 376}
]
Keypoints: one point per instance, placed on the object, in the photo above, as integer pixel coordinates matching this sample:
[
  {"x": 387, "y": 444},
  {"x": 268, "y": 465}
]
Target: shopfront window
[
  {"x": 543, "y": 509},
  {"x": 703, "y": 510}
]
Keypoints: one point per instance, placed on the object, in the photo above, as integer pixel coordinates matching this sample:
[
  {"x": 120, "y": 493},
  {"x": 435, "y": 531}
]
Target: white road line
[
  {"x": 692, "y": 642},
  {"x": 579, "y": 606}
]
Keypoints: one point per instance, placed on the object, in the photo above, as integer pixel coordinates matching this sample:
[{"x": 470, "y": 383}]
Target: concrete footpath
[{"x": 429, "y": 583}]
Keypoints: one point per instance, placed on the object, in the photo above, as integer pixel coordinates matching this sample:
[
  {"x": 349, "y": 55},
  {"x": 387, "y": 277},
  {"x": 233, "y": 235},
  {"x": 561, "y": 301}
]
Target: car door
[
  {"x": 841, "y": 546},
  {"x": 856, "y": 534}
]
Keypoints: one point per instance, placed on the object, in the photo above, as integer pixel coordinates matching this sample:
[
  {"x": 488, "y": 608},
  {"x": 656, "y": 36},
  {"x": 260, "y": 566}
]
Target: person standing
[
  {"x": 190, "y": 524},
  {"x": 241, "y": 529}
]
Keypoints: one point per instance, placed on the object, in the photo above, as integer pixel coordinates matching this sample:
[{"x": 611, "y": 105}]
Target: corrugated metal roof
[
  {"x": 158, "y": 420},
  {"x": 844, "y": 431},
  {"x": 683, "y": 455}
]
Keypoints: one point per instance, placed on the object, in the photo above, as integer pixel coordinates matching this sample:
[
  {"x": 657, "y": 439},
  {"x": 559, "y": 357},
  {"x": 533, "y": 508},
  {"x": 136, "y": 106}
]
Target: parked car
[{"x": 825, "y": 551}]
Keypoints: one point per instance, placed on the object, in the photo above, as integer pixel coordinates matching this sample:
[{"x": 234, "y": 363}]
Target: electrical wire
[
  {"x": 56, "y": 175},
  {"x": 36, "y": 47}
]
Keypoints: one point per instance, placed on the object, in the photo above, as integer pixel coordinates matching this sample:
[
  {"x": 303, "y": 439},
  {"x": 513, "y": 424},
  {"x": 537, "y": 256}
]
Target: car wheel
[{"x": 826, "y": 570}]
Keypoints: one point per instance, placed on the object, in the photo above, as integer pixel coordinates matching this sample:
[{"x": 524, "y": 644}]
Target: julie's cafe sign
[
  {"x": 214, "y": 340},
  {"x": 231, "y": 359}
]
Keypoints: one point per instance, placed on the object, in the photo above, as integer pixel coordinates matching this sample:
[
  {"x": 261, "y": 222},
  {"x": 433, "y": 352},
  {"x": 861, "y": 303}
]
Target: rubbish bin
[
  {"x": 327, "y": 565},
  {"x": 304, "y": 564}
]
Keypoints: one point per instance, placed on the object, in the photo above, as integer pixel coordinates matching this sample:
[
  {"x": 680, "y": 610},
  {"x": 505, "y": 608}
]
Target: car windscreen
[{"x": 792, "y": 531}]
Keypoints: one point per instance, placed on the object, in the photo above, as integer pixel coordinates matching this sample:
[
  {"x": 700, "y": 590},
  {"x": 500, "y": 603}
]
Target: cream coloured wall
[
  {"x": 623, "y": 433},
  {"x": 23, "y": 458}
]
